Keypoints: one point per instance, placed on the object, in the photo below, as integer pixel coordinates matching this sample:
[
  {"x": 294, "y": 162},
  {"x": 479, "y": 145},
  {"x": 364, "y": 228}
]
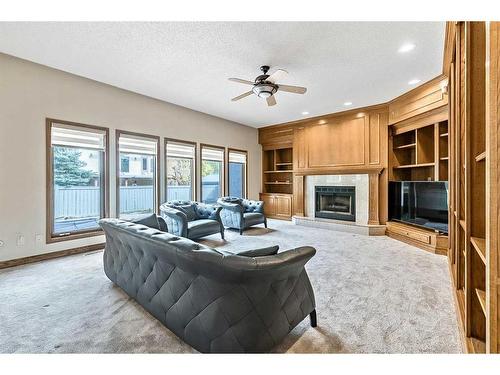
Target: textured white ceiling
[{"x": 188, "y": 63}]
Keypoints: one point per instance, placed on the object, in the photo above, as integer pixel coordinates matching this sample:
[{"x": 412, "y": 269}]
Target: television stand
[{"x": 426, "y": 239}]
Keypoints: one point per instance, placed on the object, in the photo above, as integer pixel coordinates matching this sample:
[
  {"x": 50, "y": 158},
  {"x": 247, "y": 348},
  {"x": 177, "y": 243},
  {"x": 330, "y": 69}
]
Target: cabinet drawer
[
  {"x": 425, "y": 238},
  {"x": 418, "y": 236}
]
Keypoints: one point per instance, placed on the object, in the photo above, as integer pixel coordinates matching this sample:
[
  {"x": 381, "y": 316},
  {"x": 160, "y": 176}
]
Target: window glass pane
[
  {"x": 77, "y": 188},
  {"x": 179, "y": 178},
  {"x": 237, "y": 174},
  {"x": 237, "y": 180},
  {"x": 211, "y": 180},
  {"x": 137, "y": 185}
]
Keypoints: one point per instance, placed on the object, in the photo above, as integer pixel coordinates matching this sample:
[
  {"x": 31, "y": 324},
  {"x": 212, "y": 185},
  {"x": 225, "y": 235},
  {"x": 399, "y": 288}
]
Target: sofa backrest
[{"x": 125, "y": 240}]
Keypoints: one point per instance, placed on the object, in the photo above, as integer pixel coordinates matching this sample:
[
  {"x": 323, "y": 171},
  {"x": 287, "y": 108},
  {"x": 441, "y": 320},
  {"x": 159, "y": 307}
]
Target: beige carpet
[{"x": 373, "y": 295}]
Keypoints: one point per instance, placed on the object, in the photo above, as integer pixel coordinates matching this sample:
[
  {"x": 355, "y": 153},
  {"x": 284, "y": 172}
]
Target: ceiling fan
[{"x": 265, "y": 86}]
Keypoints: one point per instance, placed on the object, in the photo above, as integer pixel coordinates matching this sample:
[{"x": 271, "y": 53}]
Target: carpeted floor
[{"x": 373, "y": 295}]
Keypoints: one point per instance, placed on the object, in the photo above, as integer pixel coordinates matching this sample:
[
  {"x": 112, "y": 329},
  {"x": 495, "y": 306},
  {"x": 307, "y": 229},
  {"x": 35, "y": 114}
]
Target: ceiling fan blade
[
  {"x": 292, "y": 89},
  {"x": 271, "y": 100},
  {"x": 242, "y": 96},
  {"x": 242, "y": 81},
  {"x": 277, "y": 76}
]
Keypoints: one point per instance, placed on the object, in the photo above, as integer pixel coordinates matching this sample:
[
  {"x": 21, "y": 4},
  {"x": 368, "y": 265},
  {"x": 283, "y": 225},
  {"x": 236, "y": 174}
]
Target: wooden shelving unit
[
  {"x": 277, "y": 182},
  {"x": 420, "y": 154},
  {"x": 418, "y": 151},
  {"x": 470, "y": 252}
]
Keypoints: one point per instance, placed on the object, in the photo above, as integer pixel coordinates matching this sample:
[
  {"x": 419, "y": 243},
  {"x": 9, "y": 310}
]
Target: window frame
[
  {"x": 50, "y": 236},
  {"x": 156, "y": 138},
  {"x": 223, "y": 164},
  {"x": 194, "y": 177},
  {"x": 238, "y": 151}
]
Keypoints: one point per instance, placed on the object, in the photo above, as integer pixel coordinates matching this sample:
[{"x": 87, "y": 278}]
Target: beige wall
[{"x": 30, "y": 92}]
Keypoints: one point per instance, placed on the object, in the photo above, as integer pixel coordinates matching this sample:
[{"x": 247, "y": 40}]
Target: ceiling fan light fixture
[{"x": 264, "y": 90}]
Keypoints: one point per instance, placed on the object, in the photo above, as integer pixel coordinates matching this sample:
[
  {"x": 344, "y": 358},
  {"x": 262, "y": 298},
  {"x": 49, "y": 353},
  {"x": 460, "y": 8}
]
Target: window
[
  {"x": 124, "y": 164},
  {"x": 137, "y": 190},
  {"x": 212, "y": 173},
  {"x": 180, "y": 161},
  {"x": 76, "y": 179},
  {"x": 237, "y": 173}
]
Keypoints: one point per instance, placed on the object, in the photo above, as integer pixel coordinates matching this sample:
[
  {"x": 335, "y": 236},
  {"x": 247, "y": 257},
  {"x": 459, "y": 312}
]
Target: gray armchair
[
  {"x": 192, "y": 219},
  {"x": 240, "y": 213},
  {"x": 214, "y": 300}
]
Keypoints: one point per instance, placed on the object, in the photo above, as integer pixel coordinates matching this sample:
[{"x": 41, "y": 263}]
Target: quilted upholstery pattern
[
  {"x": 234, "y": 211},
  {"x": 214, "y": 301},
  {"x": 181, "y": 216}
]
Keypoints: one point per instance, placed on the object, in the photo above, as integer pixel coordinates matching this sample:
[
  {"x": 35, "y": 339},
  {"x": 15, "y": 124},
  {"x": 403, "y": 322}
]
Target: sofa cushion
[
  {"x": 202, "y": 227},
  {"x": 189, "y": 210},
  {"x": 253, "y": 218},
  {"x": 149, "y": 221}
]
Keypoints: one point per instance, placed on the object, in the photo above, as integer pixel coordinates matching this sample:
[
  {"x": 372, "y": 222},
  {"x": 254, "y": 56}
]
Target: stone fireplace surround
[{"x": 362, "y": 225}]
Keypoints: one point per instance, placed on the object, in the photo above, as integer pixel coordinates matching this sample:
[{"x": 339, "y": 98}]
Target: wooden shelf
[
  {"x": 481, "y": 156},
  {"x": 415, "y": 165},
  {"x": 480, "y": 246},
  {"x": 278, "y": 183},
  {"x": 444, "y": 158},
  {"x": 481, "y": 296},
  {"x": 443, "y": 135},
  {"x": 409, "y": 145},
  {"x": 287, "y": 163},
  {"x": 290, "y": 171}
]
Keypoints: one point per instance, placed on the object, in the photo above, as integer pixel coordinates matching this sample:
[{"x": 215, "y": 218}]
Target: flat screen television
[{"x": 422, "y": 203}]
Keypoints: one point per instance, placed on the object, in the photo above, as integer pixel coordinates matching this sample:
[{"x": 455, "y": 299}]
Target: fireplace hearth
[{"x": 335, "y": 202}]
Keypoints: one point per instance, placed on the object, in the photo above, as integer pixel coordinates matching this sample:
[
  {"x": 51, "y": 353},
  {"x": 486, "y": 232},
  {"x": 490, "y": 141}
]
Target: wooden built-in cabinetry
[
  {"x": 474, "y": 210},
  {"x": 352, "y": 142},
  {"x": 419, "y": 151},
  {"x": 277, "y": 179}
]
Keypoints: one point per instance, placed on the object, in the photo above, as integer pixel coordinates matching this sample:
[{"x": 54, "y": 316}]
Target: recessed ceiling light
[
  {"x": 407, "y": 47},
  {"x": 413, "y": 81},
  {"x": 305, "y": 113},
  {"x": 347, "y": 104}
]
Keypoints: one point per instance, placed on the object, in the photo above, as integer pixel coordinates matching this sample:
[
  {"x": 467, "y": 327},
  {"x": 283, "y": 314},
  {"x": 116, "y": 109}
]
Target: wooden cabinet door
[
  {"x": 269, "y": 205},
  {"x": 283, "y": 205}
]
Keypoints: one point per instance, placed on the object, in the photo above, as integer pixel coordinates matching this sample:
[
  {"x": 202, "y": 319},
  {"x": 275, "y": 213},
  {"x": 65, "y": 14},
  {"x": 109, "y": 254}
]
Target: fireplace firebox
[{"x": 335, "y": 202}]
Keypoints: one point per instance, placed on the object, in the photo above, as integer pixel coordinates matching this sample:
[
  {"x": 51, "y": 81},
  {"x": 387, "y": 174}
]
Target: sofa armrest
[
  {"x": 265, "y": 251},
  {"x": 234, "y": 207},
  {"x": 177, "y": 222}
]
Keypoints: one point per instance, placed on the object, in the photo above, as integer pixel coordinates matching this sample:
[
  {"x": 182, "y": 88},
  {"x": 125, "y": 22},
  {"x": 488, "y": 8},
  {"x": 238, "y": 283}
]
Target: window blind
[
  {"x": 137, "y": 145},
  {"x": 237, "y": 157},
  {"x": 73, "y": 136},
  {"x": 212, "y": 154},
  {"x": 180, "y": 150}
]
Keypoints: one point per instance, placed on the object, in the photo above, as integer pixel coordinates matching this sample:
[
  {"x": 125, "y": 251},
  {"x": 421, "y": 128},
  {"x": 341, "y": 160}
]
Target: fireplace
[{"x": 335, "y": 202}]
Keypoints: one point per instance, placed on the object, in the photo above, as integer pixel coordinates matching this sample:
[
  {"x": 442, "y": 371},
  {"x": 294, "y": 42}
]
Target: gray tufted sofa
[
  {"x": 192, "y": 219},
  {"x": 214, "y": 300},
  {"x": 241, "y": 213}
]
